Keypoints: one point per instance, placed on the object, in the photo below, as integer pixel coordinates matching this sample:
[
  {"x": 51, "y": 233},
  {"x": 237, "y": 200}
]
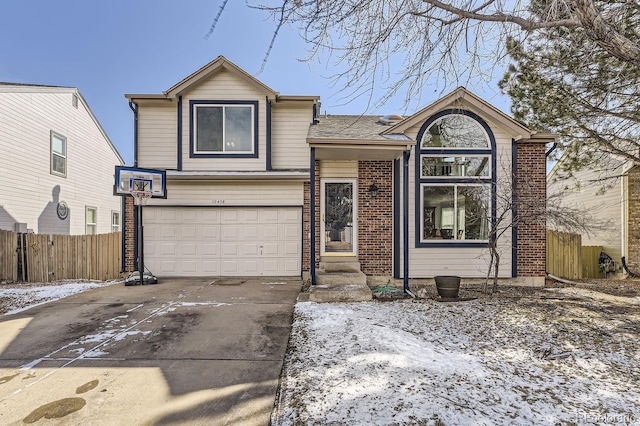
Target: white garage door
[{"x": 203, "y": 241}]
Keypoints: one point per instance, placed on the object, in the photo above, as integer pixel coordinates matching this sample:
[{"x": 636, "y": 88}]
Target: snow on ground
[
  {"x": 570, "y": 358},
  {"x": 16, "y": 298}
]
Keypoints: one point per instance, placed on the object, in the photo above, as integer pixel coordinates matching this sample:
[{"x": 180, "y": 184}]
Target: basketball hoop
[{"x": 140, "y": 198}]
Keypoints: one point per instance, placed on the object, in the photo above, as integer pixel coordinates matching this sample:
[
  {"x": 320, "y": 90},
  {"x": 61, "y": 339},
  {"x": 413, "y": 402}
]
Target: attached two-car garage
[{"x": 223, "y": 241}]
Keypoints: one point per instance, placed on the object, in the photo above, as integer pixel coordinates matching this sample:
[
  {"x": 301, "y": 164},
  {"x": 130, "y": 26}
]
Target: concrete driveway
[{"x": 183, "y": 351}]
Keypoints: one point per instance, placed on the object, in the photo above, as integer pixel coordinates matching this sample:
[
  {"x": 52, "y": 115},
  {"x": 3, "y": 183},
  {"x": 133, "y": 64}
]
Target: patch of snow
[{"x": 478, "y": 362}]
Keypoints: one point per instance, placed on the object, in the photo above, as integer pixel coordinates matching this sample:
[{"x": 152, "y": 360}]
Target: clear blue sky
[{"x": 109, "y": 48}]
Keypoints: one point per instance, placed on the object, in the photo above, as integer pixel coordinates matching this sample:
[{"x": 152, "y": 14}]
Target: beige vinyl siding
[
  {"x": 30, "y": 193},
  {"x": 224, "y": 86},
  {"x": 601, "y": 200},
  {"x": 469, "y": 262},
  {"x": 339, "y": 169},
  {"x": 220, "y": 193},
  {"x": 158, "y": 136},
  {"x": 289, "y": 128}
]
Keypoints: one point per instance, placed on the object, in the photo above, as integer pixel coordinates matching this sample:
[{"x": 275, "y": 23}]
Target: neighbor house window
[
  {"x": 58, "y": 155},
  {"x": 224, "y": 128},
  {"x": 91, "y": 220},
  {"x": 455, "y": 174},
  {"x": 115, "y": 221}
]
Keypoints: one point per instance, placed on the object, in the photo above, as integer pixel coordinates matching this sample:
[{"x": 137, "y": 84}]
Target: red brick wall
[
  {"x": 306, "y": 221},
  {"x": 375, "y": 218},
  {"x": 532, "y": 194},
  {"x": 633, "y": 218},
  {"x": 129, "y": 235}
]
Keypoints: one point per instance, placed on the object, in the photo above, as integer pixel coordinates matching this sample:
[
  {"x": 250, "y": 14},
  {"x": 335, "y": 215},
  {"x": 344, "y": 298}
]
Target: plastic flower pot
[{"x": 448, "y": 286}]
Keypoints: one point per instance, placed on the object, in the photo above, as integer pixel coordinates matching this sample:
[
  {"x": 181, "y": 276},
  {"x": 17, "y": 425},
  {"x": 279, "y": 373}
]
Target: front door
[{"x": 338, "y": 221}]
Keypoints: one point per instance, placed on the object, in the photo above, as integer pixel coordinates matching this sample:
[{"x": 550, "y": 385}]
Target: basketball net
[{"x": 140, "y": 198}]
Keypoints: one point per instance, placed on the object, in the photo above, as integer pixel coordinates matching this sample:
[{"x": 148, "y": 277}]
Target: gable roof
[
  {"x": 8, "y": 87},
  {"x": 457, "y": 98},
  {"x": 217, "y": 65}
]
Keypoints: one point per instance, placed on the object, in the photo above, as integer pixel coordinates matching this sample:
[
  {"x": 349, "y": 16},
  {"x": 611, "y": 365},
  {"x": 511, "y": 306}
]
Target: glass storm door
[{"x": 338, "y": 229}]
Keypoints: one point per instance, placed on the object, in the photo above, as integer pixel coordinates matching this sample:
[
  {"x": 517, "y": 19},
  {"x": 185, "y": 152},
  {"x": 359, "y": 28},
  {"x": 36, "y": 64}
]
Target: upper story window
[
  {"x": 455, "y": 170},
  {"x": 224, "y": 128},
  {"x": 58, "y": 155}
]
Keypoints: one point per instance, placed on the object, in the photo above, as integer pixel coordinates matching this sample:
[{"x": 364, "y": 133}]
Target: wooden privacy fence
[
  {"x": 568, "y": 258},
  {"x": 43, "y": 258}
]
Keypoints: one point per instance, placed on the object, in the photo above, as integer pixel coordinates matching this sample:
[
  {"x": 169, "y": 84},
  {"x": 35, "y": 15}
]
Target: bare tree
[{"x": 449, "y": 42}]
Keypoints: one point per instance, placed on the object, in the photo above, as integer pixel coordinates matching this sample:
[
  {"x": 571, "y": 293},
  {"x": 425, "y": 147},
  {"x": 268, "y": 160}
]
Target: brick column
[
  {"x": 633, "y": 220},
  {"x": 129, "y": 235},
  {"x": 375, "y": 218},
  {"x": 306, "y": 223},
  {"x": 532, "y": 195}
]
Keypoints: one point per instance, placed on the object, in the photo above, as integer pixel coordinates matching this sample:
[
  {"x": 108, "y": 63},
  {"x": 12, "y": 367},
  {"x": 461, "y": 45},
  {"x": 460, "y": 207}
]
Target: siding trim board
[
  {"x": 256, "y": 138},
  {"x": 419, "y": 180},
  {"x": 179, "y": 153}
]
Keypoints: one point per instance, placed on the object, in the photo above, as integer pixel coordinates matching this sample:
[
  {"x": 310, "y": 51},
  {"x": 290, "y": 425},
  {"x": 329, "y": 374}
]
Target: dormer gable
[
  {"x": 211, "y": 69},
  {"x": 462, "y": 99}
]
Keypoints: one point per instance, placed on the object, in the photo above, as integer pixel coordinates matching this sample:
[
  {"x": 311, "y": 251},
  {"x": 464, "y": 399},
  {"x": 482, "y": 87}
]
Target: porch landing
[{"x": 339, "y": 279}]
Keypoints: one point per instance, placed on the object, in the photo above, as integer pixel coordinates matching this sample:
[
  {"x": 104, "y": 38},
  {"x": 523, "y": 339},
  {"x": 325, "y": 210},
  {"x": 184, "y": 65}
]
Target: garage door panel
[
  {"x": 210, "y": 216},
  {"x": 230, "y": 250},
  {"x": 188, "y": 232},
  {"x": 187, "y": 249},
  {"x": 211, "y": 232},
  {"x": 211, "y": 250},
  {"x": 230, "y": 233},
  {"x": 230, "y": 216},
  {"x": 214, "y": 241}
]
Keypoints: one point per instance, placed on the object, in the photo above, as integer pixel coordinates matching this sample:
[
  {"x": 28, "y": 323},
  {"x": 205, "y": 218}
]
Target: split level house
[
  {"x": 605, "y": 197},
  {"x": 264, "y": 184},
  {"x": 57, "y": 163}
]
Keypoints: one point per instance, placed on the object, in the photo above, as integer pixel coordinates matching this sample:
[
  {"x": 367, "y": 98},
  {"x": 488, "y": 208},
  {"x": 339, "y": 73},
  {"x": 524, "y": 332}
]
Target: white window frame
[
  {"x": 488, "y": 166},
  {"x": 461, "y": 148},
  {"x": 56, "y": 154},
  {"x": 455, "y": 186},
  {"x": 90, "y": 224},
  {"x": 224, "y": 144},
  {"x": 115, "y": 227}
]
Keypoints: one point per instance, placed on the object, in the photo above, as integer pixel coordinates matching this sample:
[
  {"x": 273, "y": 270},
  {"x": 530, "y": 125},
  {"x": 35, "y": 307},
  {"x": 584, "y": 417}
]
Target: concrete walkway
[{"x": 183, "y": 351}]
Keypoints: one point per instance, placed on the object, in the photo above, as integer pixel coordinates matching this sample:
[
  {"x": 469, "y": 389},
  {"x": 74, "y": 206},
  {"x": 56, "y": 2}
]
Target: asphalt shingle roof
[{"x": 350, "y": 127}]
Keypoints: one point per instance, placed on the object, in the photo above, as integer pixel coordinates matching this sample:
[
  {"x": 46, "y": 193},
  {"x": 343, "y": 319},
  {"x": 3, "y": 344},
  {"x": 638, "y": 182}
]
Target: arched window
[{"x": 454, "y": 174}]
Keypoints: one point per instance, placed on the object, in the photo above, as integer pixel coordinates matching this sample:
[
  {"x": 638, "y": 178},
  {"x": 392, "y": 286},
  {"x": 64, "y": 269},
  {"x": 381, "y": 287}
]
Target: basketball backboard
[{"x": 135, "y": 179}]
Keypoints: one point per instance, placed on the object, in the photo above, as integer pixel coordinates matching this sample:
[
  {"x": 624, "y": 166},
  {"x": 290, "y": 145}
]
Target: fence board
[
  {"x": 564, "y": 254},
  {"x": 8, "y": 256},
  {"x": 591, "y": 262},
  {"x": 55, "y": 257}
]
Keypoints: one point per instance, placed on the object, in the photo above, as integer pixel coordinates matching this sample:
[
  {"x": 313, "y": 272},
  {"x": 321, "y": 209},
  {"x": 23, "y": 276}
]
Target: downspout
[
  {"x": 553, "y": 148},
  {"x": 405, "y": 221},
  {"x": 134, "y": 108},
  {"x": 312, "y": 207}
]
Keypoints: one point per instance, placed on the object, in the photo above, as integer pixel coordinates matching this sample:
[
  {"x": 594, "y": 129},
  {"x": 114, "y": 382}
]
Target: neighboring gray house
[{"x": 57, "y": 163}]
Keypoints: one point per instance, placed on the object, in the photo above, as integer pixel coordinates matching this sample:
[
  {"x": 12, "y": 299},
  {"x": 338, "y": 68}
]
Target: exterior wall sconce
[{"x": 373, "y": 190}]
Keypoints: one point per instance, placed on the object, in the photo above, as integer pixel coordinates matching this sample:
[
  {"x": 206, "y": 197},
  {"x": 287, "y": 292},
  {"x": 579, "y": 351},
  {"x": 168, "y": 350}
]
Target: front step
[
  {"x": 340, "y": 287},
  {"x": 331, "y": 267}
]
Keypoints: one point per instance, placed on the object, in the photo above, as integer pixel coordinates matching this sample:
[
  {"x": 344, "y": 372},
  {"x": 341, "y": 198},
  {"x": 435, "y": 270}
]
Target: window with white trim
[
  {"x": 115, "y": 221},
  {"x": 224, "y": 128},
  {"x": 91, "y": 220},
  {"x": 455, "y": 175},
  {"x": 58, "y": 155}
]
